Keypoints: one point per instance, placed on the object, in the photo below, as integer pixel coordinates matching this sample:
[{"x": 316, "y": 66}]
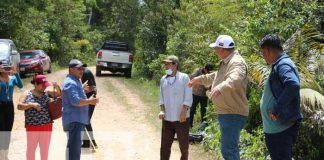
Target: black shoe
[{"x": 86, "y": 144}]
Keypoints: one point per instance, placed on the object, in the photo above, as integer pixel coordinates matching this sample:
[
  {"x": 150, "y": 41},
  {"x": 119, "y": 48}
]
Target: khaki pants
[{"x": 168, "y": 131}]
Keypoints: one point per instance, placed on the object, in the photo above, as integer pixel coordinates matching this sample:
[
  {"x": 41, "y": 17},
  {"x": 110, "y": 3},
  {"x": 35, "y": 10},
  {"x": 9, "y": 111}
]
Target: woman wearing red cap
[{"x": 38, "y": 122}]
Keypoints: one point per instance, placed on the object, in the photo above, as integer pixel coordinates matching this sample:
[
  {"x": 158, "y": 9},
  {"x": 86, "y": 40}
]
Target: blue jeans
[
  {"x": 74, "y": 131},
  {"x": 280, "y": 144},
  {"x": 230, "y": 126}
]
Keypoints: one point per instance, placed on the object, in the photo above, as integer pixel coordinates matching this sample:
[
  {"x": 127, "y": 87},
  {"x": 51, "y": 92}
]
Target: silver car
[{"x": 8, "y": 52}]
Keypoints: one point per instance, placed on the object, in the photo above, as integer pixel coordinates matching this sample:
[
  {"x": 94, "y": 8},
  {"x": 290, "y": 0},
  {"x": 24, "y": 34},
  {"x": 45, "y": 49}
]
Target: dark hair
[
  {"x": 272, "y": 41},
  {"x": 209, "y": 66}
]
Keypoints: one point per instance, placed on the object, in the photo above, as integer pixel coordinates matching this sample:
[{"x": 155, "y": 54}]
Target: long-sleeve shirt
[
  {"x": 6, "y": 89},
  {"x": 72, "y": 94},
  {"x": 199, "y": 90},
  {"x": 231, "y": 82},
  {"x": 174, "y": 93}
]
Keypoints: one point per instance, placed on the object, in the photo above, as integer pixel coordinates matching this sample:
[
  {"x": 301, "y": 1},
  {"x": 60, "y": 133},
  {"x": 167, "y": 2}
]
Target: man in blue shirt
[
  {"x": 280, "y": 103},
  {"x": 75, "y": 108}
]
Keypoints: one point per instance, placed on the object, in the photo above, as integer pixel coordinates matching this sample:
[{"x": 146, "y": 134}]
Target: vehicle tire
[
  {"x": 50, "y": 69},
  {"x": 98, "y": 71},
  {"x": 22, "y": 75},
  {"x": 128, "y": 73}
]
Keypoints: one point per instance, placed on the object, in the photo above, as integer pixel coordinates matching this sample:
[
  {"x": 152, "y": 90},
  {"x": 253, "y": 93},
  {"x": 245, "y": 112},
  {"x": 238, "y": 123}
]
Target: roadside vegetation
[{"x": 154, "y": 29}]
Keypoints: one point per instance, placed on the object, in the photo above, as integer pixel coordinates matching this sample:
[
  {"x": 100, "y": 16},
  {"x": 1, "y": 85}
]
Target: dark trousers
[
  {"x": 168, "y": 131},
  {"x": 6, "y": 123},
  {"x": 280, "y": 144},
  {"x": 89, "y": 127},
  {"x": 203, "y": 105},
  {"x": 74, "y": 131}
]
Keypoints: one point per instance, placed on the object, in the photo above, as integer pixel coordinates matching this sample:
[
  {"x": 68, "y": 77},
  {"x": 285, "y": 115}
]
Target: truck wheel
[
  {"x": 98, "y": 71},
  {"x": 128, "y": 73}
]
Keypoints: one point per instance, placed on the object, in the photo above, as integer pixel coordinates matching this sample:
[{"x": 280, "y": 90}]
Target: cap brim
[
  {"x": 213, "y": 45},
  {"x": 81, "y": 65},
  {"x": 166, "y": 61}
]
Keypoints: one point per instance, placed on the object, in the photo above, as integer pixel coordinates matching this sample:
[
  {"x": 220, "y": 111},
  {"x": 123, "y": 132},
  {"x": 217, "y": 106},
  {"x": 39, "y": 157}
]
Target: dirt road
[{"x": 122, "y": 133}]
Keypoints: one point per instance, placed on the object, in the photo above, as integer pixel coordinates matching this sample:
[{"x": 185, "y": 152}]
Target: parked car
[
  {"x": 8, "y": 53},
  {"x": 114, "y": 57},
  {"x": 34, "y": 61}
]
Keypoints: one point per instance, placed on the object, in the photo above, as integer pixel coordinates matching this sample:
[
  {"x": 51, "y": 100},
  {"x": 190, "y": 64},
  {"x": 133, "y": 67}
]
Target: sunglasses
[{"x": 80, "y": 68}]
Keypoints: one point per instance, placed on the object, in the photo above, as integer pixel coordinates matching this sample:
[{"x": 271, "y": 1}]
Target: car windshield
[
  {"x": 29, "y": 55},
  {"x": 4, "y": 50},
  {"x": 115, "y": 47}
]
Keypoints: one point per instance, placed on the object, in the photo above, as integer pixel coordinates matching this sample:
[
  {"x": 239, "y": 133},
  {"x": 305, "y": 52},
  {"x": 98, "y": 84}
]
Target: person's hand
[
  {"x": 272, "y": 116},
  {"x": 13, "y": 69},
  {"x": 55, "y": 84},
  {"x": 214, "y": 94},
  {"x": 87, "y": 89},
  {"x": 161, "y": 115},
  {"x": 93, "y": 101},
  {"x": 192, "y": 82},
  {"x": 37, "y": 106},
  {"x": 183, "y": 115}
]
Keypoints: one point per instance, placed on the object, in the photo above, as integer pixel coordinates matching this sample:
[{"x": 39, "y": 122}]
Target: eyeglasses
[{"x": 80, "y": 68}]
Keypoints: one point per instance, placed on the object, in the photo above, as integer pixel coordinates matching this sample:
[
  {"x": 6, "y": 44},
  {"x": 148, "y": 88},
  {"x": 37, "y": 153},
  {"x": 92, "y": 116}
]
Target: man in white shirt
[{"x": 175, "y": 103}]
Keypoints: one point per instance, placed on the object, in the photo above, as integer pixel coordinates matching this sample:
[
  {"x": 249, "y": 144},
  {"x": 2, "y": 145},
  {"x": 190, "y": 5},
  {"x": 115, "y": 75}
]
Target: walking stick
[{"x": 91, "y": 143}]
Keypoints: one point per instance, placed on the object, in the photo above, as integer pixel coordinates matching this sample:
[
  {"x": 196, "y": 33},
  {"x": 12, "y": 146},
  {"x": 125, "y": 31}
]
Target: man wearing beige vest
[{"x": 228, "y": 94}]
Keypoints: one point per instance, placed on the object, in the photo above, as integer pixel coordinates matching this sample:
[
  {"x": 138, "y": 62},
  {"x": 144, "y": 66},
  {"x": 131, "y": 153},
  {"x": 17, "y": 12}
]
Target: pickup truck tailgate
[{"x": 115, "y": 56}]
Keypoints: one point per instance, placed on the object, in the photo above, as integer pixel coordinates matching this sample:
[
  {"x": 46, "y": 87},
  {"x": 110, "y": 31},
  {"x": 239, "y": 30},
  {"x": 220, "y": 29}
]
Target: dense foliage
[{"x": 155, "y": 28}]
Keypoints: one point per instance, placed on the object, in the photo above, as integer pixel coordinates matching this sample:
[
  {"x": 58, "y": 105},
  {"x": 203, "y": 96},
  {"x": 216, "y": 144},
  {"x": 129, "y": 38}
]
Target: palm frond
[
  {"x": 258, "y": 72},
  {"x": 312, "y": 104}
]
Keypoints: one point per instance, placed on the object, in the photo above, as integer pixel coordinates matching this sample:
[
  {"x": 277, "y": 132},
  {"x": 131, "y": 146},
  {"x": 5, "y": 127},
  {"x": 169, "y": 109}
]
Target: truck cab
[
  {"x": 115, "y": 57},
  {"x": 8, "y": 52}
]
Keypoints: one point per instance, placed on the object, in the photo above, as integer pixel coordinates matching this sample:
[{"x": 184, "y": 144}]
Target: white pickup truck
[{"x": 115, "y": 57}]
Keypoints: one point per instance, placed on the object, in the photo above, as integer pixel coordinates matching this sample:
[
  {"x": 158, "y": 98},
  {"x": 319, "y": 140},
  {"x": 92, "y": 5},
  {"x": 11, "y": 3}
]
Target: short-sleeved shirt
[{"x": 34, "y": 117}]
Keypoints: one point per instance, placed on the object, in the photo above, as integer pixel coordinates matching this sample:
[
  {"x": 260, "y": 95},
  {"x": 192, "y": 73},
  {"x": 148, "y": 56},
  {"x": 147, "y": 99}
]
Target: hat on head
[
  {"x": 76, "y": 63},
  {"x": 171, "y": 59},
  {"x": 42, "y": 79},
  {"x": 223, "y": 41}
]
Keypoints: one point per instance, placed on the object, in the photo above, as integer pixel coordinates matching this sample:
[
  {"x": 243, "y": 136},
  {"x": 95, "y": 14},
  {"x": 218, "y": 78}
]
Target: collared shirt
[
  {"x": 174, "y": 93},
  {"x": 72, "y": 94},
  {"x": 231, "y": 81},
  {"x": 6, "y": 89},
  {"x": 266, "y": 104}
]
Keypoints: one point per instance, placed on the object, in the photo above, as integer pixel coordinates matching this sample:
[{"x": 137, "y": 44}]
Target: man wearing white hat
[{"x": 228, "y": 94}]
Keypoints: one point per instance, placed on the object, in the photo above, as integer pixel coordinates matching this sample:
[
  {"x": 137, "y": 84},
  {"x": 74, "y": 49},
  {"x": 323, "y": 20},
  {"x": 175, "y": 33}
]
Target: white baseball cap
[{"x": 223, "y": 41}]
